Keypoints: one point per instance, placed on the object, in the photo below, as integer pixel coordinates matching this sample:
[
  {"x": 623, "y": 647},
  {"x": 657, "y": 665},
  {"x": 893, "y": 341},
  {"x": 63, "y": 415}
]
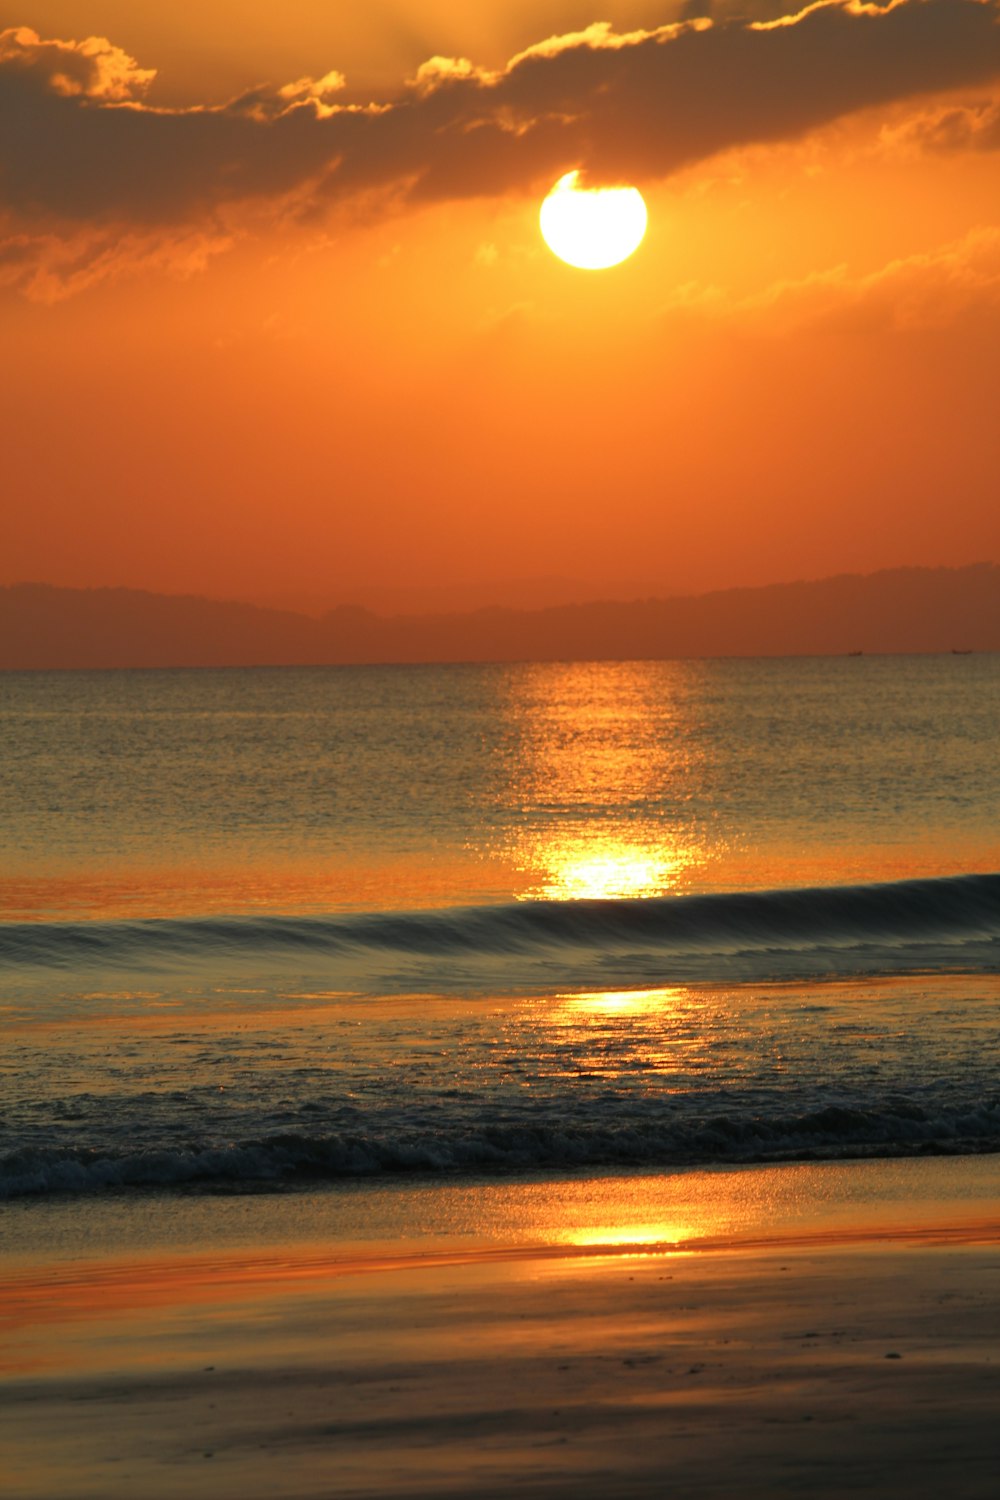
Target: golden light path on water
[
  {"x": 611, "y": 870},
  {"x": 633, "y": 1002},
  {"x": 662, "y": 1033},
  {"x": 608, "y": 760}
]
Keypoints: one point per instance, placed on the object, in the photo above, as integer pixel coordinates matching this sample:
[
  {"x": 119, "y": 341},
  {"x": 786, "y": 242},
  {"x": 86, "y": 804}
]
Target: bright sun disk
[{"x": 592, "y": 228}]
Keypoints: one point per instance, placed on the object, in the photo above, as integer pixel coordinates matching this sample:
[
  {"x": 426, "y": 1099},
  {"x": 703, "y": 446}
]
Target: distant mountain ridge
[{"x": 896, "y": 610}]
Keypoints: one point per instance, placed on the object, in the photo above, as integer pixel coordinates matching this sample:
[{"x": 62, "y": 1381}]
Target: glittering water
[{"x": 287, "y": 924}]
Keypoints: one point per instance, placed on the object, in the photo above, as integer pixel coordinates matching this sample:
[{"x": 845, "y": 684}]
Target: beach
[
  {"x": 575, "y": 1079},
  {"x": 834, "y": 1355}
]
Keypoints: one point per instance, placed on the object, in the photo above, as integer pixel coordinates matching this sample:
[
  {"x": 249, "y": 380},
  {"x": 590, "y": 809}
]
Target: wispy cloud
[
  {"x": 917, "y": 293},
  {"x": 50, "y": 267},
  {"x": 950, "y": 127}
]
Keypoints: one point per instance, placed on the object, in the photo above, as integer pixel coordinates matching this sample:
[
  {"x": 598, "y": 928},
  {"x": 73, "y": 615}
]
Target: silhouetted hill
[{"x": 898, "y": 610}]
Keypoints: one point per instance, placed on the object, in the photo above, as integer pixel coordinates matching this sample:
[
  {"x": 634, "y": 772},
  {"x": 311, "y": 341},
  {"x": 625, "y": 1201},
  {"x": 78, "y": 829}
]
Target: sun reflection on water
[
  {"x": 601, "y": 762},
  {"x": 666, "y": 1234},
  {"x": 611, "y": 870},
  {"x": 625, "y": 1036},
  {"x": 657, "y": 1003}
]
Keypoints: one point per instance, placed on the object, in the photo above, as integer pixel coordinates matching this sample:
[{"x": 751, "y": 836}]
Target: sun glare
[
  {"x": 576, "y": 871},
  {"x": 592, "y": 228}
]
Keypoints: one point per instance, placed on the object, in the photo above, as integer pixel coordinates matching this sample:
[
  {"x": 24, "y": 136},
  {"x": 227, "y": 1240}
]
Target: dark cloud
[
  {"x": 93, "y": 68},
  {"x": 79, "y": 143},
  {"x": 68, "y": 152}
]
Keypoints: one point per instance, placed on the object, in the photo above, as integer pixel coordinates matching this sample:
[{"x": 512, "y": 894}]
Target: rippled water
[
  {"x": 285, "y": 924},
  {"x": 380, "y": 788}
]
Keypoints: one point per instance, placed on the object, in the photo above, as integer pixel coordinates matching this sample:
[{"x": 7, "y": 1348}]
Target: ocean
[{"x": 263, "y": 931}]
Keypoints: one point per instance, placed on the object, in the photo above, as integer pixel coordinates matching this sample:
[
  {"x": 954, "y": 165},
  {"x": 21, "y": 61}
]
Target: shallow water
[{"x": 368, "y": 1219}]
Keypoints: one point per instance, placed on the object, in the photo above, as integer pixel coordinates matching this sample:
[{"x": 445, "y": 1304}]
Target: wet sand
[{"x": 830, "y": 1362}]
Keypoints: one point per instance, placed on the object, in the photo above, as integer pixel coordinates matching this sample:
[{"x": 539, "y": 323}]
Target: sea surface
[{"x": 264, "y": 929}]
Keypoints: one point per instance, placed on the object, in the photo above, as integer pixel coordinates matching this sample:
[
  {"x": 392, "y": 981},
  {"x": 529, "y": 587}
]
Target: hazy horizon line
[{"x": 617, "y": 594}]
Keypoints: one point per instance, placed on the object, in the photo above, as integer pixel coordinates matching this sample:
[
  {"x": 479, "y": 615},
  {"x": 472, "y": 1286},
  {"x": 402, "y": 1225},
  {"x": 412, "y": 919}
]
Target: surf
[{"x": 950, "y": 923}]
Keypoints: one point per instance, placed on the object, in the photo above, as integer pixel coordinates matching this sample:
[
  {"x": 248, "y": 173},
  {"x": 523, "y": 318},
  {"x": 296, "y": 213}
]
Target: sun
[{"x": 592, "y": 228}]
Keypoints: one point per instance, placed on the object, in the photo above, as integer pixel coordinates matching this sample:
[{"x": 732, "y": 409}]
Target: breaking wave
[
  {"x": 829, "y": 1133},
  {"x": 870, "y": 928}
]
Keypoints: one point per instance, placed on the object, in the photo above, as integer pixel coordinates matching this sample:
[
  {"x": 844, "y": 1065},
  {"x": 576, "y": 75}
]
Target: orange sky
[{"x": 303, "y": 342}]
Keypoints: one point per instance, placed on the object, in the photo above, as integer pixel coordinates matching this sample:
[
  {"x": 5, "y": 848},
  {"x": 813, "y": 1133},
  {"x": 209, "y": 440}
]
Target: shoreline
[
  {"x": 80, "y": 1290},
  {"x": 824, "y": 1369},
  {"x": 33, "y": 1282},
  {"x": 390, "y": 1215},
  {"x": 814, "y": 1330}
]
